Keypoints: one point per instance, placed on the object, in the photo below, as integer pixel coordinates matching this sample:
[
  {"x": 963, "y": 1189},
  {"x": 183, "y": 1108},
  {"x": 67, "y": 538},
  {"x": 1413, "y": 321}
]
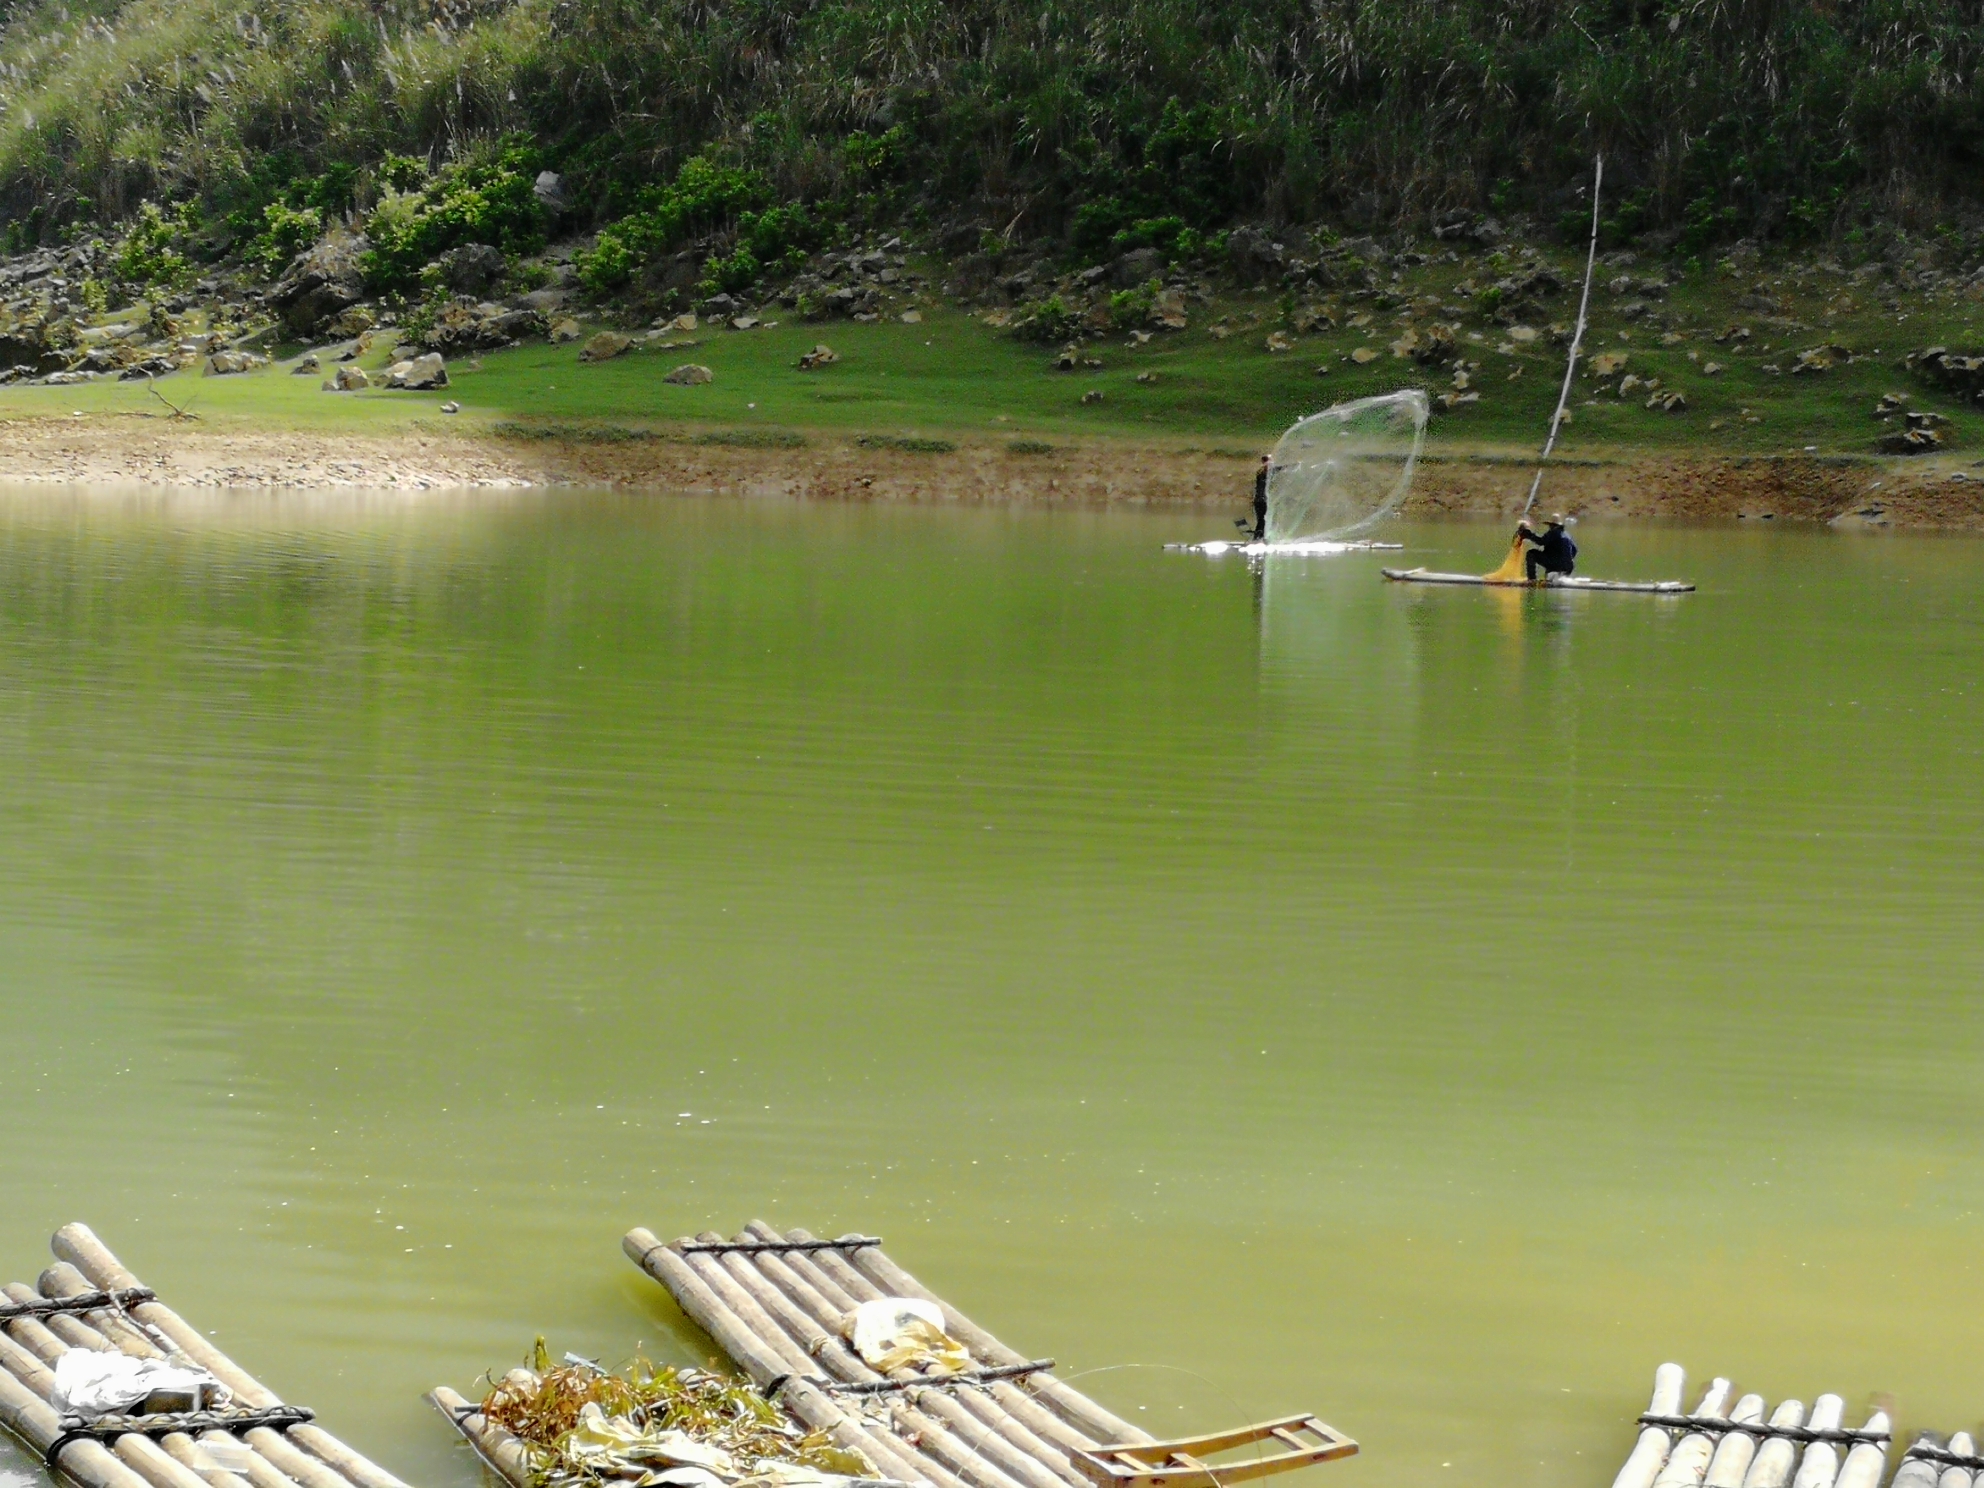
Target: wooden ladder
[{"x": 1179, "y": 1464}]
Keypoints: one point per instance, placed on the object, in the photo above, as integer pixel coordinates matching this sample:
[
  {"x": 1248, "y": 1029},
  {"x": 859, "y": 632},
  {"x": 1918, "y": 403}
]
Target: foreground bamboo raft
[
  {"x": 774, "y": 1304},
  {"x": 87, "y": 1300},
  {"x": 1747, "y": 1445}
]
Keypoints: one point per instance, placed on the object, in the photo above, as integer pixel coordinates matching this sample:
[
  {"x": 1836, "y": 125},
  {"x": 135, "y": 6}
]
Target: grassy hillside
[{"x": 1099, "y": 127}]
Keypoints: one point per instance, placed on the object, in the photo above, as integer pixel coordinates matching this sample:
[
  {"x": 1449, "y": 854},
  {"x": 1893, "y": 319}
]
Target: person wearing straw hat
[{"x": 1554, "y": 552}]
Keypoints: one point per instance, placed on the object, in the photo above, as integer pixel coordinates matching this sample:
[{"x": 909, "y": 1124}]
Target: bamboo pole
[
  {"x": 78, "y": 1245},
  {"x": 1820, "y": 1464},
  {"x": 969, "y": 1411},
  {"x": 1650, "y": 1451},
  {"x": 1771, "y": 1468},
  {"x": 1687, "y": 1461},
  {"x": 500, "y": 1449},
  {"x": 64, "y": 1280},
  {"x": 1865, "y": 1460},
  {"x": 1734, "y": 1451},
  {"x": 1953, "y": 1476},
  {"x": 933, "y": 1439},
  {"x": 1073, "y": 1406},
  {"x": 819, "y": 1413},
  {"x": 1920, "y": 1472}
]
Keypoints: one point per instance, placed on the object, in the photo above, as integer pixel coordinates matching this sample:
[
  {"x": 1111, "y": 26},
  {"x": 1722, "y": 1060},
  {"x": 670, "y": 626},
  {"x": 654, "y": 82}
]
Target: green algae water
[{"x": 1259, "y": 991}]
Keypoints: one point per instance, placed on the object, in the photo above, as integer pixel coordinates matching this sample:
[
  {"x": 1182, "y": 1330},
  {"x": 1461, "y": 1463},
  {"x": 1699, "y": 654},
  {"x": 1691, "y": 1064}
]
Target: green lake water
[{"x": 1432, "y": 1008}]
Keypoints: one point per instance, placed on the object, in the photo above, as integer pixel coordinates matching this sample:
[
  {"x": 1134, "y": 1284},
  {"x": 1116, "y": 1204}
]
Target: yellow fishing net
[{"x": 1511, "y": 571}]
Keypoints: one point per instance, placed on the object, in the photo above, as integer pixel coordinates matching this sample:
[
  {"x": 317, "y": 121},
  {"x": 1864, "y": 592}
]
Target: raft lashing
[
  {"x": 88, "y": 1300},
  {"x": 775, "y": 1304},
  {"x": 1749, "y": 1445}
]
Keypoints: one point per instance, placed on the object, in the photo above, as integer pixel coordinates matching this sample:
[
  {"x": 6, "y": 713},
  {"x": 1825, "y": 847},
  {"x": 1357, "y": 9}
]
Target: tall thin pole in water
[{"x": 1577, "y": 340}]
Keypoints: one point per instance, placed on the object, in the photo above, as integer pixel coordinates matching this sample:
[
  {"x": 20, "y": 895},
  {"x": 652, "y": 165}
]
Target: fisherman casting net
[{"x": 1339, "y": 473}]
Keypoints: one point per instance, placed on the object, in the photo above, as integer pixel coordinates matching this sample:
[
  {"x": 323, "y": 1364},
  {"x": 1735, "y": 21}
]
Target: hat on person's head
[{"x": 1556, "y": 519}]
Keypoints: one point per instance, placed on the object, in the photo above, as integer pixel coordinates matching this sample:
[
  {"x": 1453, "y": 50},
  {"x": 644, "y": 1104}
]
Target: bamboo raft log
[
  {"x": 1788, "y": 1448},
  {"x": 88, "y": 1300},
  {"x": 774, "y": 1304}
]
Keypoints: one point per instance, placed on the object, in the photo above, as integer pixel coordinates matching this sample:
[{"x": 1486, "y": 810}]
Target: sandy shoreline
[{"x": 154, "y": 452}]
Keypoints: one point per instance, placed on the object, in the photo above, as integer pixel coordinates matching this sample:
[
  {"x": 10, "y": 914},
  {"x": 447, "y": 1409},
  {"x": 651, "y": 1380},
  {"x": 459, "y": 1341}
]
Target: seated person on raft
[{"x": 1554, "y": 551}]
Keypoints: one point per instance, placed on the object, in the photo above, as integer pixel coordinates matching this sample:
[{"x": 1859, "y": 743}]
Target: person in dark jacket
[
  {"x": 1554, "y": 552},
  {"x": 1261, "y": 498}
]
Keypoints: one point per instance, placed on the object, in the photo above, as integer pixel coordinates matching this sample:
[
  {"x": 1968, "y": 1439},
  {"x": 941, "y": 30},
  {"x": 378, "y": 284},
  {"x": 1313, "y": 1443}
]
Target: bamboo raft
[
  {"x": 774, "y": 1304},
  {"x": 1717, "y": 1445},
  {"x": 88, "y": 1300}
]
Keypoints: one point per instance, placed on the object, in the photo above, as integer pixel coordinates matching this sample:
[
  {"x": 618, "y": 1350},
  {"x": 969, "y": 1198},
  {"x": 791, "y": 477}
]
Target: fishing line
[{"x": 1577, "y": 340}]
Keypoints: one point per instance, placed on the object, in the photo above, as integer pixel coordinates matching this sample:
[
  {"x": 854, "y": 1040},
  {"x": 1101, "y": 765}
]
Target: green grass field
[{"x": 952, "y": 377}]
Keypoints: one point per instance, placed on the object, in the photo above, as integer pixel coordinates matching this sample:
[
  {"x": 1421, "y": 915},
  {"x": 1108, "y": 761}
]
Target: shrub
[
  {"x": 703, "y": 195},
  {"x": 149, "y": 257},
  {"x": 1046, "y": 320},
  {"x": 286, "y": 232},
  {"x": 491, "y": 201}
]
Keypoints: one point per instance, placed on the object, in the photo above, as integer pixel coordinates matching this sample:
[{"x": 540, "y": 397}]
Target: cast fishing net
[{"x": 1340, "y": 472}]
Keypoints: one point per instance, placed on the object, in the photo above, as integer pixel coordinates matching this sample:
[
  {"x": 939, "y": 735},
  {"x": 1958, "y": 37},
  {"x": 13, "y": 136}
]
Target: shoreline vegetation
[{"x": 1002, "y": 254}]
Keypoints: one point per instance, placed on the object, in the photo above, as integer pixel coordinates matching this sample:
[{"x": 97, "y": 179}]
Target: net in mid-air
[{"x": 1338, "y": 473}]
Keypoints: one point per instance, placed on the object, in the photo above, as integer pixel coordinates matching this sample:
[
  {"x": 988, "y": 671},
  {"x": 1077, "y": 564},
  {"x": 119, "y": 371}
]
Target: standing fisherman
[{"x": 1261, "y": 498}]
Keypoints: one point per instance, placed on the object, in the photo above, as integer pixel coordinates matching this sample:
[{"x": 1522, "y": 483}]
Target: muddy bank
[{"x": 156, "y": 451}]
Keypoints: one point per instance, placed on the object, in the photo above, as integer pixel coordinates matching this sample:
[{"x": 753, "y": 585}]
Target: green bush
[
  {"x": 150, "y": 257},
  {"x": 286, "y": 232},
  {"x": 1047, "y": 320},
  {"x": 702, "y": 196},
  {"x": 490, "y": 201}
]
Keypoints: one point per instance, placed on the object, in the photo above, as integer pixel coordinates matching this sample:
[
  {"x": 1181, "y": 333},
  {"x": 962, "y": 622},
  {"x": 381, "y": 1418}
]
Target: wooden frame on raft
[{"x": 298, "y": 1455}]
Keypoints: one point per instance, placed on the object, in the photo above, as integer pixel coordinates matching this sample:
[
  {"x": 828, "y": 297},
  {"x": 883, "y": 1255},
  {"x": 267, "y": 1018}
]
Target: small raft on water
[
  {"x": 1748, "y": 1445},
  {"x": 843, "y": 1340},
  {"x": 113, "y": 1389},
  {"x": 1550, "y": 581}
]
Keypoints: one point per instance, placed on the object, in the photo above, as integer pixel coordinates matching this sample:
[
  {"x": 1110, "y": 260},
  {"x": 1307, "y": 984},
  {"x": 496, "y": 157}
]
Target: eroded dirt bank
[{"x": 155, "y": 452}]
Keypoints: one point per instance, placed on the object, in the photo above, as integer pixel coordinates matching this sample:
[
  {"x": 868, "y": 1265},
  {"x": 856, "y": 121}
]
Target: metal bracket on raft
[
  {"x": 169, "y": 1423},
  {"x": 922, "y": 1382},
  {"x": 1178, "y": 1464},
  {"x": 775, "y": 1247},
  {"x": 1720, "y": 1425},
  {"x": 81, "y": 1302}
]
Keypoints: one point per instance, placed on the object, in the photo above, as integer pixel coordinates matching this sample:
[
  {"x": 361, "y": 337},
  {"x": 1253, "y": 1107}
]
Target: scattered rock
[
  {"x": 719, "y": 307},
  {"x": 1467, "y": 227},
  {"x": 347, "y": 380},
  {"x": 1437, "y": 347},
  {"x": 320, "y": 282},
  {"x": 822, "y": 355},
  {"x": 451, "y": 406},
  {"x": 1711, "y": 369},
  {"x": 744, "y": 322},
  {"x": 418, "y": 374},
  {"x": 1067, "y": 359},
  {"x": 1952, "y": 371},
  {"x": 911, "y": 317},
  {"x": 1138, "y": 266},
  {"x": 1669, "y": 402},
  {"x": 1279, "y": 341},
  {"x": 1252, "y": 255},
  {"x": 228, "y": 363},
  {"x": 1609, "y": 363},
  {"x": 549, "y": 189},
  {"x": 1911, "y": 442},
  {"x": 70, "y": 379},
  {"x": 566, "y": 330},
  {"x": 1820, "y": 359},
  {"x": 472, "y": 269},
  {"x": 1312, "y": 319},
  {"x": 1523, "y": 335},
  {"x": 1093, "y": 395},
  {"x": 690, "y": 374},
  {"x": 1628, "y": 385},
  {"x": 1450, "y": 401},
  {"x": 306, "y": 363},
  {"x": 1146, "y": 377},
  {"x": 1406, "y": 344},
  {"x": 464, "y": 324},
  {"x": 605, "y": 346},
  {"x": 1168, "y": 310},
  {"x": 1363, "y": 356},
  {"x": 1890, "y": 405}
]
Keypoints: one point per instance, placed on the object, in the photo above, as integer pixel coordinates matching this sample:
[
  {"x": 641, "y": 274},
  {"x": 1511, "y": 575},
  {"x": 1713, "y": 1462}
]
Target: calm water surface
[{"x": 1429, "y": 1007}]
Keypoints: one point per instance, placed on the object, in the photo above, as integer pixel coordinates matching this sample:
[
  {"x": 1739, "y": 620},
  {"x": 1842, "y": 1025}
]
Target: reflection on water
[{"x": 1430, "y": 1007}]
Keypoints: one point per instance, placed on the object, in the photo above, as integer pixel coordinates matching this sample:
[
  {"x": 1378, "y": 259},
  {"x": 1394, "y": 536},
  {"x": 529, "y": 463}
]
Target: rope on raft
[{"x": 169, "y": 1423}]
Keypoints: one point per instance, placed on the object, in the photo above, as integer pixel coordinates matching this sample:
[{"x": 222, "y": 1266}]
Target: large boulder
[
  {"x": 464, "y": 324},
  {"x": 1252, "y": 255},
  {"x": 605, "y": 346},
  {"x": 418, "y": 374},
  {"x": 1138, "y": 266},
  {"x": 472, "y": 269},
  {"x": 225, "y": 363},
  {"x": 549, "y": 189},
  {"x": 690, "y": 374},
  {"x": 320, "y": 282}
]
